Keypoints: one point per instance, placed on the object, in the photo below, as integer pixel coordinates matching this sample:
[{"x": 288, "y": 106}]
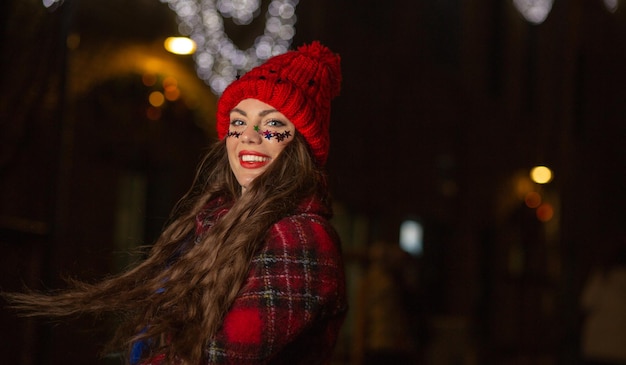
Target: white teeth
[{"x": 253, "y": 158}]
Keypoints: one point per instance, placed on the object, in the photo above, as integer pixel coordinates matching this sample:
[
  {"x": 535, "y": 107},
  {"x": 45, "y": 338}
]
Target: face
[{"x": 258, "y": 133}]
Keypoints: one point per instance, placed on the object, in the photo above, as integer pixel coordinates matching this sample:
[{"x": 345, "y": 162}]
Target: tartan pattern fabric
[{"x": 293, "y": 303}]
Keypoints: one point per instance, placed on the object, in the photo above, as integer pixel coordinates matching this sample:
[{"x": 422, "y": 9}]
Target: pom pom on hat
[{"x": 300, "y": 84}]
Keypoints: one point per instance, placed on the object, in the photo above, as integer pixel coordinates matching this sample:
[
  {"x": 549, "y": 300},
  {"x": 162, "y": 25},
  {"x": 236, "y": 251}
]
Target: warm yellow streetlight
[
  {"x": 541, "y": 174},
  {"x": 180, "y": 45}
]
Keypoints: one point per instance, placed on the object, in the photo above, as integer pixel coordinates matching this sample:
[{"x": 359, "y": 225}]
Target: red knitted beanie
[{"x": 300, "y": 84}]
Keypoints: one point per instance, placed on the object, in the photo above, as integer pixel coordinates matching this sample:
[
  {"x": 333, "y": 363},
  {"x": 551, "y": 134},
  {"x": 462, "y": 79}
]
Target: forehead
[
  {"x": 252, "y": 108},
  {"x": 253, "y": 104}
]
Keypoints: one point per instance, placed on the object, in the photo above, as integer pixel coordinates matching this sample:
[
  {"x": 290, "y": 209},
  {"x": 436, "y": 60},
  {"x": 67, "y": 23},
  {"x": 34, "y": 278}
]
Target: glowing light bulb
[
  {"x": 180, "y": 45},
  {"x": 541, "y": 174}
]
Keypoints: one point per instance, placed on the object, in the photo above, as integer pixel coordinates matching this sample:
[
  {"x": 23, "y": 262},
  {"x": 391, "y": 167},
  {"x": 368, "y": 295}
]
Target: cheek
[
  {"x": 231, "y": 146},
  {"x": 231, "y": 151},
  {"x": 278, "y": 147}
]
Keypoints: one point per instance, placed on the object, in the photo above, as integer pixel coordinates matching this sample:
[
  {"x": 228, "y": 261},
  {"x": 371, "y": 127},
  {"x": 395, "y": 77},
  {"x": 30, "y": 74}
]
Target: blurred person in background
[{"x": 603, "y": 305}]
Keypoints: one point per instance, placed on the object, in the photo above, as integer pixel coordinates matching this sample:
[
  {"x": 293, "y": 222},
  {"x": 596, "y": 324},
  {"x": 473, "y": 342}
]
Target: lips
[{"x": 253, "y": 160}]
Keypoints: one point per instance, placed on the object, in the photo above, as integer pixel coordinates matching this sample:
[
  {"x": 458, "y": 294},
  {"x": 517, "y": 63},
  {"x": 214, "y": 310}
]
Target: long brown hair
[{"x": 184, "y": 287}]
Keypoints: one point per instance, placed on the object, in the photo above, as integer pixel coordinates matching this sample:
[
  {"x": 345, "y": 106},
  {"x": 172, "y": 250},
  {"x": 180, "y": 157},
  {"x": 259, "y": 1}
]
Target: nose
[{"x": 251, "y": 134}]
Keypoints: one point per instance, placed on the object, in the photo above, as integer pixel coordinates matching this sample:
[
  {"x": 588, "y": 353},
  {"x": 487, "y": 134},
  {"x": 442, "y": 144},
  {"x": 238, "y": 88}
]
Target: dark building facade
[{"x": 445, "y": 108}]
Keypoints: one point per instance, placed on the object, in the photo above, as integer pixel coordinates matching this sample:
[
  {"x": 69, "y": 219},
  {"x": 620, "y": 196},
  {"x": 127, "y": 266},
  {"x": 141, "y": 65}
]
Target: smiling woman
[
  {"x": 260, "y": 134},
  {"x": 249, "y": 269}
]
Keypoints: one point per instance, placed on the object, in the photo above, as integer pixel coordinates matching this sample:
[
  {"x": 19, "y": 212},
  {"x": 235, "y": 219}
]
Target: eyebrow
[{"x": 261, "y": 114}]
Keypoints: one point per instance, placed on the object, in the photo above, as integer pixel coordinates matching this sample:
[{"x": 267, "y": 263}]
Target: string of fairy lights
[{"x": 218, "y": 59}]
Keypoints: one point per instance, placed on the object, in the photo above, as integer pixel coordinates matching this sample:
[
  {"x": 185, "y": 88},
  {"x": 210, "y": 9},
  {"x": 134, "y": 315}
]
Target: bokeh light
[
  {"x": 149, "y": 79},
  {"x": 545, "y": 212},
  {"x": 180, "y": 45},
  {"x": 156, "y": 98},
  {"x": 153, "y": 113},
  {"x": 170, "y": 88},
  {"x": 241, "y": 11},
  {"x": 411, "y": 237},
  {"x": 534, "y": 11},
  {"x": 532, "y": 199},
  {"x": 541, "y": 174},
  {"x": 51, "y": 3},
  {"x": 170, "y": 83},
  {"x": 172, "y": 94}
]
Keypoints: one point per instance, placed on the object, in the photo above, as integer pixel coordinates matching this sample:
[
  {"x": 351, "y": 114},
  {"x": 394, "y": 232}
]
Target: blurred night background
[{"x": 446, "y": 106}]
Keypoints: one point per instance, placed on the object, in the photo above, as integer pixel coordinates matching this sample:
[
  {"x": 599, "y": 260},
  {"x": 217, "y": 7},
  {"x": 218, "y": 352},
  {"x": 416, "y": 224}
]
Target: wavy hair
[{"x": 186, "y": 284}]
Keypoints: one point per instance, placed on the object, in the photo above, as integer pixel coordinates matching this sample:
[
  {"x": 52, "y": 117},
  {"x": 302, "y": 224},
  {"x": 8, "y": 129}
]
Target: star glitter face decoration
[
  {"x": 260, "y": 134},
  {"x": 280, "y": 136}
]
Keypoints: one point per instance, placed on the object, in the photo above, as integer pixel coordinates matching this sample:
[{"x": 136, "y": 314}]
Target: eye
[
  {"x": 275, "y": 123},
  {"x": 237, "y": 122}
]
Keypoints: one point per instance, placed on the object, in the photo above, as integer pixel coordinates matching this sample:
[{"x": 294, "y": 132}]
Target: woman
[{"x": 248, "y": 270}]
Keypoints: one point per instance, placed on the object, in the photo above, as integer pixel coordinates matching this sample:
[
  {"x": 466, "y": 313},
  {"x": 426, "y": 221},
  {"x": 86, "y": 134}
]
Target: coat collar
[{"x": 216, "y": 208}]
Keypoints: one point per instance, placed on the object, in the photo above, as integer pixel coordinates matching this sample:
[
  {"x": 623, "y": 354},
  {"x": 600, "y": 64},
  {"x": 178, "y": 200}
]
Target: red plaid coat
[{"x": 293, "y": 302}]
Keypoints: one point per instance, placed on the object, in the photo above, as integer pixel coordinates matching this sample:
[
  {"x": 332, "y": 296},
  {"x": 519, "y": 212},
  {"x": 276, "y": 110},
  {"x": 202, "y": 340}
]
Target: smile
[{"x": 253, "y": 158}]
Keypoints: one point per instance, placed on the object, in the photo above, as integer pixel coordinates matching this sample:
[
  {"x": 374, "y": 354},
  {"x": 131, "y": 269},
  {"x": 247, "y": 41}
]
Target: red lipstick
[{"x": 253, "y": 159}]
